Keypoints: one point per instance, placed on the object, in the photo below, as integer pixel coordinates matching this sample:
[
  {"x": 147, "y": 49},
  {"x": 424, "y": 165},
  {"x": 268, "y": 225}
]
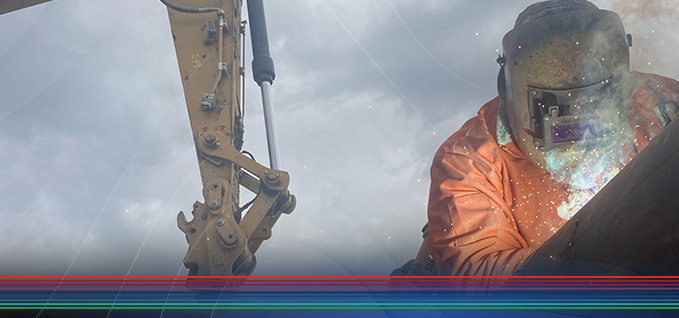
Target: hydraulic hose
[
  {"x": 220, "y": 57},
  {"x": 188, "y": 10}
]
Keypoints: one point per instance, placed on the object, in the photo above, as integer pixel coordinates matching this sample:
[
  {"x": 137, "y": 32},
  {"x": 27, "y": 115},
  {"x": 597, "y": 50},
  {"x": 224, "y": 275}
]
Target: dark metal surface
[
  {"x": 7, "y": 6},
  {"x": 631, "y": 227}
]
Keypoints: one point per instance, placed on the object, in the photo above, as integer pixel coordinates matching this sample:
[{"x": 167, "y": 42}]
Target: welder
[{"x": 569, "y": 116}]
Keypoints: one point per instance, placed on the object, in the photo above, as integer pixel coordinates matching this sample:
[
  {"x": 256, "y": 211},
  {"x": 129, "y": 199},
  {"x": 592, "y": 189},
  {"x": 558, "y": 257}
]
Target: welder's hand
[
  {"x": 666, "y": 112},
  {"x": 665, "y": 93}
]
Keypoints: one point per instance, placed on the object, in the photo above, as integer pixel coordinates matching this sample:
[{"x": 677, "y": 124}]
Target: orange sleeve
[
  {"x": 472, "y": 230},
  {"x": 652, "y": 90}
]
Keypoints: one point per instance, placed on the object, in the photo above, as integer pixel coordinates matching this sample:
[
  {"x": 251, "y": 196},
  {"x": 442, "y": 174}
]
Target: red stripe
[
  {"x": 346, "y": 277},
  {"x": 330, "y": 281}
]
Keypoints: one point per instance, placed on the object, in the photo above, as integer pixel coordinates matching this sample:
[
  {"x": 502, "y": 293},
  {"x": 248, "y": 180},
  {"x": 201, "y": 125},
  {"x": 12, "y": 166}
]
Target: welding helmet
[{"x": 562, "y": 76}]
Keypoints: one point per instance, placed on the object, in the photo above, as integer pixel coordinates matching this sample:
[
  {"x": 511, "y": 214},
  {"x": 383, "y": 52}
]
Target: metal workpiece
[
  {"x": 631, "y": 227},
  {"x": 271, "y": 138},
  {"x": 7, "y": 6}
]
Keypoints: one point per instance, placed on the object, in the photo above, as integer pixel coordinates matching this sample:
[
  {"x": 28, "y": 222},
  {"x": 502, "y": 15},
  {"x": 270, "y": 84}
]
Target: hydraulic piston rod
[
  {"x": 263, "y": 72},
  {"x": 271, "y": 138}
]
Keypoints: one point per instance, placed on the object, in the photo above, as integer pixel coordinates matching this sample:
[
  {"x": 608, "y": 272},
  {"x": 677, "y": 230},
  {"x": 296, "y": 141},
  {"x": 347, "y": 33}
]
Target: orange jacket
[{"x": 490, "y": 208}]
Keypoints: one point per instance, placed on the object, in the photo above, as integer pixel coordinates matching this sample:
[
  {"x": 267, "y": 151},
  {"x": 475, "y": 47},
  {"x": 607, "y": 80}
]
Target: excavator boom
[{"x": 222, "y": 236}]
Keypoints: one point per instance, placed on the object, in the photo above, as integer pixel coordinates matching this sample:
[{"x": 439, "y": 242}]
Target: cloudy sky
[{"x": 97, "y": 158}]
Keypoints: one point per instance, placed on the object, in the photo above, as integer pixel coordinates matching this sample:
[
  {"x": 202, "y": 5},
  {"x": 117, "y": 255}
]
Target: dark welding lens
[
  {"x": 577, "y": 131},
  {"x": 564, "y": 115}
]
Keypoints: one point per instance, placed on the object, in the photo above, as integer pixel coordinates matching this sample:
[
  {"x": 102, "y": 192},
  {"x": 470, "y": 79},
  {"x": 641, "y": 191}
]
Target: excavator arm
[{"x": 223, "y": 236}]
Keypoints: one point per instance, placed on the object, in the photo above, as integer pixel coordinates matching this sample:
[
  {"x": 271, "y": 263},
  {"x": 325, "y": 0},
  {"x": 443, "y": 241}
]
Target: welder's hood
[{"x": 560, "y": 49}]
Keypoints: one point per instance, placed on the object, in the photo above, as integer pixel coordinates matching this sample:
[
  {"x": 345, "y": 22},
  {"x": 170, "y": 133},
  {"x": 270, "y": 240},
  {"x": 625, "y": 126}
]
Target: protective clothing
[
  {"x": 563, "y": 67},
  {"x": 490, "y": 207}
]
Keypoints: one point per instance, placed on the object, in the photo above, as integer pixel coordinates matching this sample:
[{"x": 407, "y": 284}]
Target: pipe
[
  {"x": 631, "y": 227},
  {"x": 219, "y": 54}
]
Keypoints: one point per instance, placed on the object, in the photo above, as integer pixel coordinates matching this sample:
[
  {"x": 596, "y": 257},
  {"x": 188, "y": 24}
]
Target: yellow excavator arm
[{"x": 222, "y": 236}]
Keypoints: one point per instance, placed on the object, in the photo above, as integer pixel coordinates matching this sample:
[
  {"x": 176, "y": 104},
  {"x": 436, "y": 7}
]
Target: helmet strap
[{"x": 501, "y": 88}]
